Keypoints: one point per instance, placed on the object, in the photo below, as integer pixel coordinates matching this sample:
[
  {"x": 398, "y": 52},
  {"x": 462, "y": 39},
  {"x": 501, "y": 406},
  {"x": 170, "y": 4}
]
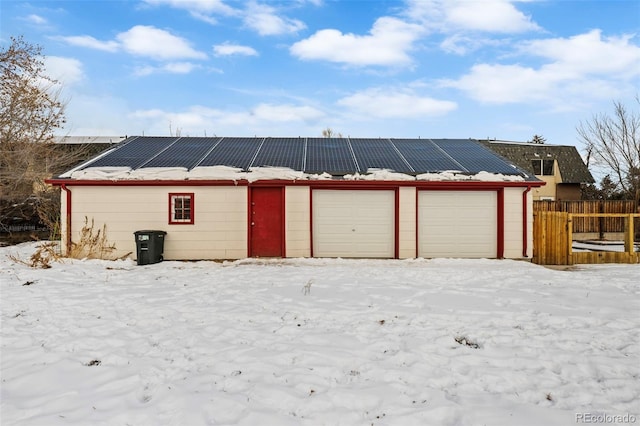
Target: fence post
[
  {"x": 538, "y": 242},
  {"x": 569, "y": 239},
  {"x": 601, "y": 221},
  {"x": 628, "y": 236}
]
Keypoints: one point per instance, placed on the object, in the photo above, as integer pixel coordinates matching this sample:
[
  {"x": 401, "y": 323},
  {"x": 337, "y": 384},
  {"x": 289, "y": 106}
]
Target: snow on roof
[
  {"x": 271, "y": 173},
  {"x": 257, "y": 158}
]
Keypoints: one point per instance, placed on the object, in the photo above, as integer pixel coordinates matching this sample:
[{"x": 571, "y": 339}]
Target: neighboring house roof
[
  {"x": 335, "y": 156},
  {"x": 89, "y": 139},
  {"x": 572, "y": 167},
  {"x": 70, "y": 150}
]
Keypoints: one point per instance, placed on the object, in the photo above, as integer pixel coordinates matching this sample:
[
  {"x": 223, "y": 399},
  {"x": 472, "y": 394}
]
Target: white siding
[
  {"x": 513, "y": 223},
  {"x": 530, "y": 225},
  {"x": 219, "y": 231},
  {"x": 407, "y": 223},
  {"x": 347, "y": 223},
  {"x": 353, "y": 223},
  {"x": 457, "y": 224},
  {"x": 298, "y": 225}
]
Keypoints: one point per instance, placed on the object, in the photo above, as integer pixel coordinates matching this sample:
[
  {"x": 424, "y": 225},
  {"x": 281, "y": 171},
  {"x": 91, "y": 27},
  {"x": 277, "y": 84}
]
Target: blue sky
[{"x": 417, "y": 68}]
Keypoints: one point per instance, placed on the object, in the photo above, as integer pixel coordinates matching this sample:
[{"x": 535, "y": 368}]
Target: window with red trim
[{"x": 181, "y": 209}]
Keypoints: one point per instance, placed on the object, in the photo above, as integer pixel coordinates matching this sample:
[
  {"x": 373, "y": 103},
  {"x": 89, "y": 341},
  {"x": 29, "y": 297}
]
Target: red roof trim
[{"x": 444, "y": 185}]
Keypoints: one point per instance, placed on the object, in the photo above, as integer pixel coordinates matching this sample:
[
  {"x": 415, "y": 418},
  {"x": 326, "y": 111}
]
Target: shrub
[{"x": 93, "y": 243}]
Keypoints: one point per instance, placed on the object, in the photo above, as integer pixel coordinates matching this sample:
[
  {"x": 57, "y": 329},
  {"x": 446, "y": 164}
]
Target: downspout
[
  {"x": 67, "y": 236},
  {"x": 525, "y": 221},
  {"x": 500, "y": 217}
]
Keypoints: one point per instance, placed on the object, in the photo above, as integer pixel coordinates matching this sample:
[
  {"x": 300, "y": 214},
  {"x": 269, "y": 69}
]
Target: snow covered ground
[
  {"x": 617, "y": 246},
  {"x": 318, "y": 342}
]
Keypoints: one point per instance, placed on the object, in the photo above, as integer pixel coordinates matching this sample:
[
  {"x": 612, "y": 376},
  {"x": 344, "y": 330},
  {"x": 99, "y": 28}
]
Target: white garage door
[
  {"x": 353, "y": 223},
  {"x": 457, "y": 224}
]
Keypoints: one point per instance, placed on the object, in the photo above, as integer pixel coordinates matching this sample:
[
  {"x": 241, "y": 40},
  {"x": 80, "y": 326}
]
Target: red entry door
[{"x": 266, "y": 222}]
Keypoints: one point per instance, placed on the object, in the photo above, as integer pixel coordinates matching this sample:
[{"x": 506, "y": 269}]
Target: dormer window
[{"x": 542, "y": 167}]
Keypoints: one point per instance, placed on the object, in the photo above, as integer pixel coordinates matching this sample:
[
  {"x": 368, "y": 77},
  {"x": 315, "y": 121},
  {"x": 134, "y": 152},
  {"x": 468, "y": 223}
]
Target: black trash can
[{"x": 149, "y": 246}]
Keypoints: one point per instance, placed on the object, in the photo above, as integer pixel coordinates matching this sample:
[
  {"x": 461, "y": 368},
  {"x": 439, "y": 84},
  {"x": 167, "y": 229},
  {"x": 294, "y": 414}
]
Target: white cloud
[
  {"x": 141, "y": 40},
  {"x": 97, "y": 115},
  {"x": 497, "y": 16},
  {"x": 149, "y": 113},
  {"x": 589, "y": 53},
  {"x": 313, "y": 2},
  {"x": 155, "y": 43},
  {"x": 261, "y": 18},
  {"x": 201, "y": 9},
  {"x": 169, "y": 68},
  {"x": 197, "y": 119},
  {"x": 395, "y": 103},
  {"x": 285, "y": 113},
  {"x": 468, "y": 25},
  {"x": 36, "y": 19},
  {"x": 204, "y": 18},
  {"x": 505, "y": 83},
  {"x": 449, "y": 16},
  {"x": 265, "y": 21},
  {"x": 460, "y": 44},
  {"x": 91, "y": 42},
  {"x": 68, "y": 71},
  {"x": 582, "y": 67},
  {"x": 179, "y": 67},
  {"x": 387, "y": 44},
  {"x": 228, "y": 49}
]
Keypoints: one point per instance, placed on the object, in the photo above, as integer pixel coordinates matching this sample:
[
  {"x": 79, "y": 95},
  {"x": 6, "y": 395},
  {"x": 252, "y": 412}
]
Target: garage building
[{"x": 231, "y": 198}]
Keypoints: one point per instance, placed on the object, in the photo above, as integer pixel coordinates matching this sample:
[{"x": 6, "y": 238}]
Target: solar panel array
[
  {"x": 475, "y": 157},
  {"x": 379, "y": 154},
  {"x": 425, "y": 156},
  {"x": 183, "y": 152},
  {"x": 331, "y": 155},
  {"x": 336, "y": 156},
  {"x": 133, "y": 152},
  {"x": 233, "y": 152},
  {"x": 281, "y": 152}
]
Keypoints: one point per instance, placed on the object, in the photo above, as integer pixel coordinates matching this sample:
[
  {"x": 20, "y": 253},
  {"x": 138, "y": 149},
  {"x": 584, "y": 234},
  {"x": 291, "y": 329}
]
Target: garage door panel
[
  {"x": 373, "y": 213},
  {"x": 457, "y": 224},
  {"x": 352, "y": 223}
]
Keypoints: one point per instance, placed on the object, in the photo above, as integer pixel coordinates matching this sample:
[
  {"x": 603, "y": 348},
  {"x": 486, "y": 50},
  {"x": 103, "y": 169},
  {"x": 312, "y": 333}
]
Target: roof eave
[{"x": 306, "y": 182}]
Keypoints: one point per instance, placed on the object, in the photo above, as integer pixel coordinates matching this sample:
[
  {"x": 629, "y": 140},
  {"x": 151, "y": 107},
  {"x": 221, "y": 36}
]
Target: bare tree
[
  {"x": 178, "y": 131},
  {"x": 538, "y": 139},
  {"x": 613, "y": 142},
  {"x": 30, "y": 112},
  {"x": 330, "y": 133}
]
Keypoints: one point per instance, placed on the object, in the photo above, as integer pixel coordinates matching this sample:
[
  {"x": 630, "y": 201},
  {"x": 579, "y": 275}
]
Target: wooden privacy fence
[
  {"x": 591, "y": 223},
  {"x": 553, "y": 239},
  {"x": 550, "y": 238}
]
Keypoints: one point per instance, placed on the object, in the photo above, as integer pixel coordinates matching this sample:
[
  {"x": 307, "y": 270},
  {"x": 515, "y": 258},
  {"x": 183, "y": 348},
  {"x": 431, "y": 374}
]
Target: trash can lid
[{"x": 150, "y": 232}]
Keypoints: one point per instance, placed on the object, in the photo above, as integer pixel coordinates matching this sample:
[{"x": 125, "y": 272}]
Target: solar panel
[
  {"x": 424, "y": 156},
  {"x": 133, "y": 153},
  {"x": 185, "y": 152},
  {"x": 378, "y": 154},
  {"x": 474, "y": 156},
  {"x": 331, "y": 155},
  {"x": 281, "y": 152},
  {"x": 337, "y": 156},
  {"x": 233, "y": 152}
]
